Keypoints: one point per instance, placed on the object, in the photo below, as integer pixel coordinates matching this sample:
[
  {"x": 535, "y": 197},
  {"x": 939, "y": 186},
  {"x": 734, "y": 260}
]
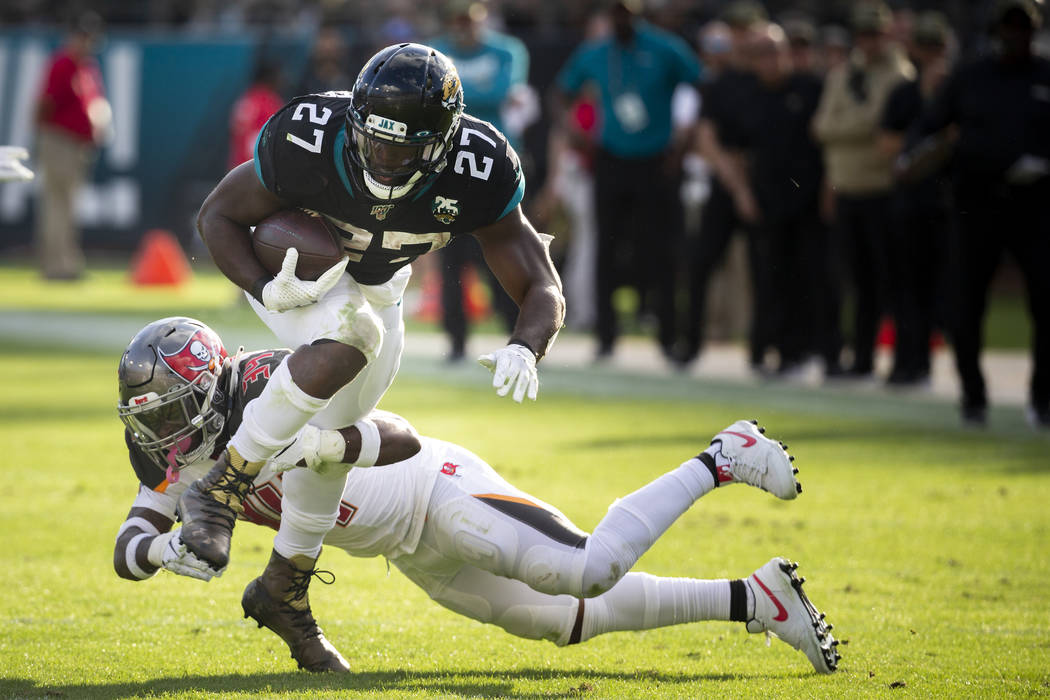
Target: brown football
[{"x": 318, "y": 243}]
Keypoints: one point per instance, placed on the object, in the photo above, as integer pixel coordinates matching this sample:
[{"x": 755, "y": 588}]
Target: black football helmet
[
  {"x": 170, "y": 395},
  {"x": 404, "y": 109}
]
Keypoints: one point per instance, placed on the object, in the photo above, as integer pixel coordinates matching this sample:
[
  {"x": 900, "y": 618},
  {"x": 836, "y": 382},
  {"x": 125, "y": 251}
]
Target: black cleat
[
  {"x": 209, "y": 507},
  {"x": 278, "y": 600}
]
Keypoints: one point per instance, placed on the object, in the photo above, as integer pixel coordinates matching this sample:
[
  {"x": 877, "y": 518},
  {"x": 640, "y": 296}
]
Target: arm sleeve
[
  {"x": 511, "y": 187},
  {"x": 59, "y": 85},
  {"x": 300, "y": 174},
  {"x": 573, "y": 74},
  {"x": 942, "y": 110},
  {"x": 151, "y": 515},
  {"x": 687, "y": 67}
]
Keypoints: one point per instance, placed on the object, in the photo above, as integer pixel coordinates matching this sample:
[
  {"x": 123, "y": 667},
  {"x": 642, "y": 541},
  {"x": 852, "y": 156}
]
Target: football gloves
[
  {"x": 312, "y": 448},
  {"x": 286, "y": 291},
  {"x": 513, "y": 367},
  {"x": 175, "y": 557}
]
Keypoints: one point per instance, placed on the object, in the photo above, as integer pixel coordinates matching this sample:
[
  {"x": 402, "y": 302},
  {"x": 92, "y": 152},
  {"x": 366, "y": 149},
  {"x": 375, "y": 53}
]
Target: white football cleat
[
  {"x": 742, "y": 453},
  {"x": 782, "y": 609}
]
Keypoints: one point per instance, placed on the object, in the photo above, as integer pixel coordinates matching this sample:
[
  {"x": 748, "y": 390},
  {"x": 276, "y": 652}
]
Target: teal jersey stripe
[
  {"x": 515, "y": 199},
  {"x": 340, "y": 164},
  {"x": 255, "y": 153}
]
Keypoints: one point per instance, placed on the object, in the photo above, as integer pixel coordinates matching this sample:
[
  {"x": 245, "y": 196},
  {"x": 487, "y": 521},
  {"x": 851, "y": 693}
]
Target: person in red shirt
[
  {"x": 72, "y": 118},
  {"x": 252, "y": 109}
]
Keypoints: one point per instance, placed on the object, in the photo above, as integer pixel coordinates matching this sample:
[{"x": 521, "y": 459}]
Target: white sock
[
  {"x": 641, "y": 601},
  {"x": 636, "y": 521},
  {"x": 309, "y": 509},
  {"x": 271, "y": 421}
]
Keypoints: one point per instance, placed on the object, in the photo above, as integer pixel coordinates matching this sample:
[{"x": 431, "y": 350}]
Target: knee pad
[
  {"x": 552, "y": 622},
  {"x": 552, "y": 571},
  {"x": 356, "y": 324},
  {"x": 475, "y": 535},
  {"x": 302, "y": 521}
]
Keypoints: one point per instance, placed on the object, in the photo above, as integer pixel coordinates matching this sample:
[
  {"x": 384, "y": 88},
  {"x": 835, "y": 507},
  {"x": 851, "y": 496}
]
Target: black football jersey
[
  {"x": 252, "y": 371},
  {"x": 300, "y": 157}
]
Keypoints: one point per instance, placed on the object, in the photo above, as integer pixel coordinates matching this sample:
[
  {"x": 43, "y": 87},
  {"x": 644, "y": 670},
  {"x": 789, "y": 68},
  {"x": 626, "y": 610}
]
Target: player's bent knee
[
  {"x": 361, "y": 328},
  {"x": 552, "y": 571},
  {"x": 550, "y": 622},
  {"x": 306, "y": 522}
]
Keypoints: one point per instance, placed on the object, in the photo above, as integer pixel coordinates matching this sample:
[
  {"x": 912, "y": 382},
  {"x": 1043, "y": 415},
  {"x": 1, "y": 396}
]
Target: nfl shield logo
[{"x": 379, "y": 211}]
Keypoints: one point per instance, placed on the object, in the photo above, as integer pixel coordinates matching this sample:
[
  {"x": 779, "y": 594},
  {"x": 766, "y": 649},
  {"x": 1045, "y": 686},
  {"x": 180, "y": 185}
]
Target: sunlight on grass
[
  {"x": 925, "y": 547},
  {"x": 109, "y": 290}
]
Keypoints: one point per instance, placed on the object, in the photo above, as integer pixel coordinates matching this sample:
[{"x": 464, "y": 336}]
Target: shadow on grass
[{"x": 565, "y": 683}]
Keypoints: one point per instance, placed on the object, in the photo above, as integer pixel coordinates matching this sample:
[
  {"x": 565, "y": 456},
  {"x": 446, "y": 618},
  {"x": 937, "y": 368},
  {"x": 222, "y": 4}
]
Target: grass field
[{"x": 926, "y": 546}]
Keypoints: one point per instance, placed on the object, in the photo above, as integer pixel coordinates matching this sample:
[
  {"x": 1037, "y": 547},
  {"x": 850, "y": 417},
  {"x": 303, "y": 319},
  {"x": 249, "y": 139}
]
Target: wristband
[
  {"x": 369, "y": 453},
  {"x": 522, "y": 343},
  {"x": 257, "y": 287}
]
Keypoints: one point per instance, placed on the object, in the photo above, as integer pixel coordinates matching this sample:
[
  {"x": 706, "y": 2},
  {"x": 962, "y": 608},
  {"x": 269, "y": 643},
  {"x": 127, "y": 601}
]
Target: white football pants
[
  {"x": 494, "y": 553},
  {"x": 311, "y": 501}
]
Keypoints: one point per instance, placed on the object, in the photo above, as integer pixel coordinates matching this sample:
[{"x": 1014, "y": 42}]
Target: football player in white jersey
[{"x": 475, "y": 543}]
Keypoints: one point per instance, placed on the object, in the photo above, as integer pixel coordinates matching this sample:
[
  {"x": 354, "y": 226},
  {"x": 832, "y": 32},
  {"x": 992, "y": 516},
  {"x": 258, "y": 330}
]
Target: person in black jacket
[
  {"x": 919, "y": 239},
  {"x": 1000, "y": 105}
]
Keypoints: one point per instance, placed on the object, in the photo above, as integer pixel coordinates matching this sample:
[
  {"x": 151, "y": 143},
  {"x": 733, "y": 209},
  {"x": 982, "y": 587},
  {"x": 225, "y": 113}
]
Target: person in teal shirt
[
  {"x": 493, "y": 70},
  {"x": 634, "y": 72}
]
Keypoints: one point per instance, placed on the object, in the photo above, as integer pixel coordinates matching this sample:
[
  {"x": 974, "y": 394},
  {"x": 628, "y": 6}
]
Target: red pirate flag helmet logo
[{"x": 202, "y": 352}]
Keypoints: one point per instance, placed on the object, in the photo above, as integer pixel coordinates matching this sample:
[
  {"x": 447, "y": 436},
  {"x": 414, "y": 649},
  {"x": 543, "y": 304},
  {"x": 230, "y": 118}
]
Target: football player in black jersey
[{"x": 399, "y": 169}]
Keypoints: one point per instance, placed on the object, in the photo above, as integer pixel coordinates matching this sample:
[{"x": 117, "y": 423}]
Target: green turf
[{"x": 925, "y": 545}]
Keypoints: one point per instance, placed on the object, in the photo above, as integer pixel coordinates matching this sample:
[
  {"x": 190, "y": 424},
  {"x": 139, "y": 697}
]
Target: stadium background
[{"x": 925, "y": 543}]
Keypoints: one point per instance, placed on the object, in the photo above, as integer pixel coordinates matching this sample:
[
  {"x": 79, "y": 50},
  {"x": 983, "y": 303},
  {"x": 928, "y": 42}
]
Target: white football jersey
[{"x": 382, "y": 510}]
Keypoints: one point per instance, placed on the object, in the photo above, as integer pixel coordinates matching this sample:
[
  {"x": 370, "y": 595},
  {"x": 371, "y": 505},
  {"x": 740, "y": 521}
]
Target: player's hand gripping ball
[{"x": 303, "y": 253}]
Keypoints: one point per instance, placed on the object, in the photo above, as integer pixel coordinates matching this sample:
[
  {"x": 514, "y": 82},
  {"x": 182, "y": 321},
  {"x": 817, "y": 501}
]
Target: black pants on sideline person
[
  {"x": 639, "y": 232},
  {"x": 804, "y": 290},
  {"x": 862, "y": 225},
  {"x": 718, "y": 223},
  {"x": 463, "y": 251},
  {"x": 994, "y": 218},
  {"x": 921, "y": 255}
]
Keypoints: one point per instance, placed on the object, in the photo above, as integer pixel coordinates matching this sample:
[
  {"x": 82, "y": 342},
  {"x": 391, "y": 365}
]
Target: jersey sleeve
[
  {"x": 293, "y": 153},
  {"x": 687, "y": 68},
  {"x": 149, "y": 474},
  {"x": 254, "y": 370},
  {"x": 574, "y": 73},
  {"x": 508, "y": 187}
]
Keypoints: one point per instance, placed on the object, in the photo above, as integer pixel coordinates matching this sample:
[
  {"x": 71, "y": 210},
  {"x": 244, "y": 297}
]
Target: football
[{"x": 318, "y": 243}]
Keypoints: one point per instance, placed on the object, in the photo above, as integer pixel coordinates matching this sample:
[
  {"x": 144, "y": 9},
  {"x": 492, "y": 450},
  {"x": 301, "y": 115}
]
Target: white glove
[
  {"x": 175, "y": 557},
  {"x": 286, "y": 291},
  {"x": 11, "y": 170},
  {"x": 313, "y": 447},
  {"x": 513, "y": 367}
]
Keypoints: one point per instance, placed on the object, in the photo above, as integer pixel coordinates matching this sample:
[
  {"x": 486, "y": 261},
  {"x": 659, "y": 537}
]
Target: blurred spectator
[
  {"x": 328, "y": 65},
  {"x": 731, "y": 203},
  {"x": 784, "y": 173},
  {"x": 802, "y": 38},
  {"x": 835, "y": 47},
  {"x": 919, "y": 238},
  {"x": 1000, "y": 105},
  {"x": 637, "y": 166},
  {"x": 252, "y": 109},
  {"x": 859, "y": 173},
  {"x": 73, "y": 117},
  {"x": 570, "y": 184},
  {"x": 493, "y": 69}
]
